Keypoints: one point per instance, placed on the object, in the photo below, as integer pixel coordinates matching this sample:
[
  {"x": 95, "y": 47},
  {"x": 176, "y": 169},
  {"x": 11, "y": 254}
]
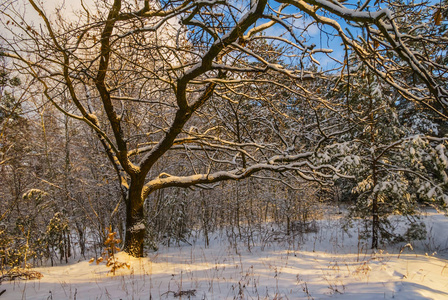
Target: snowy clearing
[{"x": 327, "y": 264}]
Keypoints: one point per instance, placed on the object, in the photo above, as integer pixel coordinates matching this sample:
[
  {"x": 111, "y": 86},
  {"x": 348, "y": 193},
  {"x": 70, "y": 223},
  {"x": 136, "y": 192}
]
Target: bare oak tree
[{"x": 204, "y": 84}]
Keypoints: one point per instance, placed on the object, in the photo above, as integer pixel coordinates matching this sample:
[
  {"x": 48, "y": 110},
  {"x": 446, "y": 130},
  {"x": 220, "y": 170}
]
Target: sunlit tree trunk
[{"x": 135, "y": 222}]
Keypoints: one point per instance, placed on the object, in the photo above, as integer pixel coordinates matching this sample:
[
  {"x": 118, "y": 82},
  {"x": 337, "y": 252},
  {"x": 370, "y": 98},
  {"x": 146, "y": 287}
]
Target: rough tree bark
[{"x": 135, "y": 222}]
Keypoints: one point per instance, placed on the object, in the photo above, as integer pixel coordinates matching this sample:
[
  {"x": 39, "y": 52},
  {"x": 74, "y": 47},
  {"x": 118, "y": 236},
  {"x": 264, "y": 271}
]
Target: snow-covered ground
[{"x": 326, "y": 264}]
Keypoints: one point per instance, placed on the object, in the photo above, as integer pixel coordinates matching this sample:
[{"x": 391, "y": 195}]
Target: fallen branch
[
  {"x": 182, "y": 293},
  {"x": 17, "y": 273}
]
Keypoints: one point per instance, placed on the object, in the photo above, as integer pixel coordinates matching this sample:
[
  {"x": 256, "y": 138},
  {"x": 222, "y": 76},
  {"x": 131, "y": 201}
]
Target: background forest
[{"x": 164, "y": 120}]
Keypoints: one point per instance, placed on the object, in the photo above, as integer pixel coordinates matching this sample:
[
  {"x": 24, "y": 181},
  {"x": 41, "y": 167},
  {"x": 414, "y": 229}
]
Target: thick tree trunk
[{"x": 135, "y": 222}]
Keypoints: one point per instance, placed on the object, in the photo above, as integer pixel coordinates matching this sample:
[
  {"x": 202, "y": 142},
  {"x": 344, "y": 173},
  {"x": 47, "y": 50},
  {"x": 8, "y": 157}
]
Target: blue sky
[
  {"x": 314, "y": 36},
  {"x": 321, "y": 36}
]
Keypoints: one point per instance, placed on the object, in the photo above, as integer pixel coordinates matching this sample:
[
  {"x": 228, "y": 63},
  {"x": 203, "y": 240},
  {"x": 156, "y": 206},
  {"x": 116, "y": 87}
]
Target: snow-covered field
[{"x": 326, "y": 264}]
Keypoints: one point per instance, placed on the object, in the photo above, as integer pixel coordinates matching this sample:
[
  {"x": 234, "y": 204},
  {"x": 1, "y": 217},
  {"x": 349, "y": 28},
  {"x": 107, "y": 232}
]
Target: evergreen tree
[{"x": 393, "y": 166}]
